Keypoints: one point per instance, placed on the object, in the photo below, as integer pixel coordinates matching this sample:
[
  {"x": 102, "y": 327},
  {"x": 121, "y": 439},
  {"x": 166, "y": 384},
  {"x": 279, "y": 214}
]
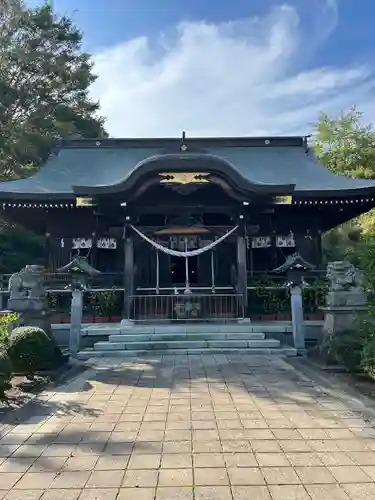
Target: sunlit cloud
[{"x": 236, "y": 78}]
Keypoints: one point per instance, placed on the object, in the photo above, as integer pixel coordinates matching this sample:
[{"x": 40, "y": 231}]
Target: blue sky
[{"x": 223, "y": 67}]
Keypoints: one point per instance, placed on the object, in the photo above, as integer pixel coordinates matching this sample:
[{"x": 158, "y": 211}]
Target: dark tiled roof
[{"x": 273, "y": 161}]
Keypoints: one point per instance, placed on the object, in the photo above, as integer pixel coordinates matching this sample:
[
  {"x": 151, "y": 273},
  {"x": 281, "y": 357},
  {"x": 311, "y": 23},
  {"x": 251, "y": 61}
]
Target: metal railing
[
  {"x": 186, "y": 307},
  {"x": 180, "y": 289},
  {"x": 267, "y": 295},
  {"x": 104, "y": 300}
]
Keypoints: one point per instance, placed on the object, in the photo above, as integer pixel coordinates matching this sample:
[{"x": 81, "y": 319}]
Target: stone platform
[{"x": 193, "y": 338}]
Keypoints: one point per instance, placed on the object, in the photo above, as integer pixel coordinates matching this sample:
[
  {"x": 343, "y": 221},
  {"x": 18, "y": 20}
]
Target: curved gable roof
[{"x": 282, "y": 162}]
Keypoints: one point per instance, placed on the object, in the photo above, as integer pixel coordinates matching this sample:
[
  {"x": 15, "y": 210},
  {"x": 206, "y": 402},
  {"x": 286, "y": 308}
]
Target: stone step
[
  {"x": 141, "y": 337},
  {"x": 197, "y": 328},
  {"x": 233, "y": 327},
  {"x": 188, "y": 344},
  {"x": 281, "y": 352}
]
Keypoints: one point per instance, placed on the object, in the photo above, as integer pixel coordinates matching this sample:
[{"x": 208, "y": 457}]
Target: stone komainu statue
[
  {"x": 343, "y": 276},
  {"x": 28, "y": 297},
  {"x": 28, "y": 283}
]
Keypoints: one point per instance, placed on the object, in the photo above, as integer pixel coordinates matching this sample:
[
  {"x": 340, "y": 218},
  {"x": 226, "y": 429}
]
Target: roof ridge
[{"x": 155, "y": 142}]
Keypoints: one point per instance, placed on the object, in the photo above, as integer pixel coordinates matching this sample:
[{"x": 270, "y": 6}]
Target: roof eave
[
  {"x": 50, "y": 196},
  {"x": 336, "y": 193}
]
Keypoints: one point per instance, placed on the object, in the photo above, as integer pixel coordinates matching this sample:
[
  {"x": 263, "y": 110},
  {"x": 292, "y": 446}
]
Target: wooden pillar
[
  {"x": 48, "y": 251},
  {"x": 212, "y": 258},
  {"x": 94, "y": 251},
  {"x": 128, "y": 274},
  {"x": 319, "y": 250},
  {"x": 242, "y": 269},
  {"x": 164, "y": 267},
  {"x": 157, "y": 281}
]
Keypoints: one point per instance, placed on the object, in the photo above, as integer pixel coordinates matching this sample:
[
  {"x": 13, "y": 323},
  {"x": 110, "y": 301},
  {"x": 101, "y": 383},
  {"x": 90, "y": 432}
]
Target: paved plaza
[{"x": 209, "y": 427}]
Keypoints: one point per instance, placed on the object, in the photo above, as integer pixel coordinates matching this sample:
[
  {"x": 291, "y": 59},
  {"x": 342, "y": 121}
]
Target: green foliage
[
  {"x": 363, "y": 256},
  {"x": 340, "y": 241},
  {"x": 59, "y": 303},
  {"x": 7, "y": 321},
  {"x": 44, "y": 86},
  {"x": 357, "y": 349},
  {"x": 347, "y": 348},
  {"x": 345, "y": 145},
  {"x": 270, "y": 296},
  {"x": 368, "y": 357},
  {"x": 314, "y": 296},
  {"x": 104, "y": 303},
  {"x": 19, "y": 247},
  {"x": 5, "y": 374},
  {"x": 274, "y": 298},
  {"x": 31, "y": 349}
]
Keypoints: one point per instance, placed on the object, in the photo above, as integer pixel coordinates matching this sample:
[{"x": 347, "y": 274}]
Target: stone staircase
[{"x": 210, "y": 338}]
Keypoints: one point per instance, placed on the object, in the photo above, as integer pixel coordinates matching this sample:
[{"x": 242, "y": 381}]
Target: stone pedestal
[
  {"x": 343, "y": 309},
  {"x": 346, "y": 300},
  {"x": 297, "y": 318},
  {"x": 32, "y": 312},
  {"x": 339, "y": 319},
  {"x": 354, "y": 296}
]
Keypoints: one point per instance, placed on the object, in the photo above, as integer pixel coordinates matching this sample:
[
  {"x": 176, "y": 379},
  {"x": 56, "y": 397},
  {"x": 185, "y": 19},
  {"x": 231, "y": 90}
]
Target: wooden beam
[{"x": 182, "y": 209}]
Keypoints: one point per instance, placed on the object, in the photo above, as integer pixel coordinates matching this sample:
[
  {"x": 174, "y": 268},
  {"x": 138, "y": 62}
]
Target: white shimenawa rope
[{"x": 188, "y": 253}]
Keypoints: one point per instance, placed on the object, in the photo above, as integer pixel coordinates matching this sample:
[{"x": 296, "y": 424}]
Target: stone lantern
[
  {"x": 295, "y": 268},
  {"x": 81, "y": 272}
]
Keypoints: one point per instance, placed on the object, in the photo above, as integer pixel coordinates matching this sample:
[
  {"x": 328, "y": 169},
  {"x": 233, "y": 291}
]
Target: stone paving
[{"x": 208, "y": 427}]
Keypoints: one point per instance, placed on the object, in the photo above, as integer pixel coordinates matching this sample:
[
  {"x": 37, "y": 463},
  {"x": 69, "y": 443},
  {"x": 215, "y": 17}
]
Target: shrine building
[{"x": 174, "y": 216}]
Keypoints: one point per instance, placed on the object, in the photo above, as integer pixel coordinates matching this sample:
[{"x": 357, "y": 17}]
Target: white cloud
[{"x": 235, "y": 78}]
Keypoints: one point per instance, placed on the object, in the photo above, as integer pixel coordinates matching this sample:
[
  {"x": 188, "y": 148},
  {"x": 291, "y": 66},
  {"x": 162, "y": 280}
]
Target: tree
[
  {"x": 19, "y": 247},
  {"x": 44, "y": 96},
  {"x": 341, "y": 241},
  {"x": 44, "y": 86},
  {"x": 347, "y": 147}
]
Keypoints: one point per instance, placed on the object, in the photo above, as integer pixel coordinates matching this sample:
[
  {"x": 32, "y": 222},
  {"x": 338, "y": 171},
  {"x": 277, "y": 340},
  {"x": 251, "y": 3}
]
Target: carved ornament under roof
[{"x": 184, "y": 177}]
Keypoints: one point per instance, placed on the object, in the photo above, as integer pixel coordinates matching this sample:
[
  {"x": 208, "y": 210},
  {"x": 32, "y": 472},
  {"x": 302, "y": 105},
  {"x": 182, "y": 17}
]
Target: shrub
[
  {"x": 368, "y": 357},
  {"x": 347, "y": 347},
  {"x": 368, "y": 351},
  {"x": 5, "y": 374},
  {"x": 324, "y": 352},
  {"x": 104, "y": 303},
  {"x": 6, "y": 323},
  {"x": 31, "y": 349},
  {"x": 364, "y": 258}
]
